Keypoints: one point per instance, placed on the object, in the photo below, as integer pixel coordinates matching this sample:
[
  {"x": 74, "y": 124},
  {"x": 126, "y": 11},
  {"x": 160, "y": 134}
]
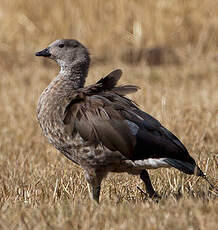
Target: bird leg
[
  {"x": 148, "y": 186},
  {"x": 94, "y": 185},
  {"x": 94, "y": 192}
]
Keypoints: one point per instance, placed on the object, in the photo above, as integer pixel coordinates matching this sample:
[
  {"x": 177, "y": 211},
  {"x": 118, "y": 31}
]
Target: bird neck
[{"x": 75, "y": 73}]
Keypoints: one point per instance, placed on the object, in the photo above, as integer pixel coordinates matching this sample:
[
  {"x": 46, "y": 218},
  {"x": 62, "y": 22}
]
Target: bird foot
[{"x": 153, "y": 195}]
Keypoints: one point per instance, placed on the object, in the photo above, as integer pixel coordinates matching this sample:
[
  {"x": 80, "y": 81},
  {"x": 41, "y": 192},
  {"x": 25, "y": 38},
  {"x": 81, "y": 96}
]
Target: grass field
[{"x": 39, "y": 188}]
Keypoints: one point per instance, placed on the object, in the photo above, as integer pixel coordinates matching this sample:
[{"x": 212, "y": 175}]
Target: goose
[{"x": 98, "y": 128}]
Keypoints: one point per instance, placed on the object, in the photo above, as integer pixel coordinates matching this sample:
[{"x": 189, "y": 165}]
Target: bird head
[{"x": 65, "y": 52}]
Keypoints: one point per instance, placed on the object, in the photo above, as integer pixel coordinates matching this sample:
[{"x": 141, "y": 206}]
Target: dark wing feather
[
  {"x": 110, "y": 80},
  {"x": 105, "y": 83},
  {"x": 186, "y": 167},
  {"x": 155, "y": 141},
  {"x": 126, "y": 89},
  {"x": 98, "y": 122}
]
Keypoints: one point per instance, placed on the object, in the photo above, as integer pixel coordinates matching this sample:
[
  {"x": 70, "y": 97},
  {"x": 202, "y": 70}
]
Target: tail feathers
[
  {"x": 185, "y": 167},
  {"x": 211, "y": 185},
  {"x": 189, "y": 168}
]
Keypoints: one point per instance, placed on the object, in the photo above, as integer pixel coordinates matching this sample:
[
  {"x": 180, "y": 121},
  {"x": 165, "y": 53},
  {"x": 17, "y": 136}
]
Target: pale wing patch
[
  {"x": 132, "y": 126},
  {"x": 151, "y": 163}
]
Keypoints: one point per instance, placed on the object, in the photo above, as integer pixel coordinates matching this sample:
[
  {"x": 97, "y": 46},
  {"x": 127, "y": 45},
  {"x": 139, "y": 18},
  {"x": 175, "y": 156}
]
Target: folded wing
[{"x": 102, "y": 115}]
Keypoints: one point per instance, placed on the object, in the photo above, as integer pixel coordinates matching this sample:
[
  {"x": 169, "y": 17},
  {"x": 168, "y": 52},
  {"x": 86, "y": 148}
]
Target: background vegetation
[{"x": 169, "y": 48}]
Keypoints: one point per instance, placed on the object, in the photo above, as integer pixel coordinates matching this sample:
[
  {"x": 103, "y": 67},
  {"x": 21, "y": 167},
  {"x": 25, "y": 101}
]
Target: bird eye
[{"x": 61, "y": 45}]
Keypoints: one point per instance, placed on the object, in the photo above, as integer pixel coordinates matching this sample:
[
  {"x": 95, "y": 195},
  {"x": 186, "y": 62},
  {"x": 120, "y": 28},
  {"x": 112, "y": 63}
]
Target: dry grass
[{"x": 39, "y": 188}]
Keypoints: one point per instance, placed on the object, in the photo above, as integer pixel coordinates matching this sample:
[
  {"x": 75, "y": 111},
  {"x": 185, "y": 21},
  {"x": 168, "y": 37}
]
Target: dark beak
[{"x": 44, "y": 53}]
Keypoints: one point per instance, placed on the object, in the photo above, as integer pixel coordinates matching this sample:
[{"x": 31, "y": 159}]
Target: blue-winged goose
[{"x": 100, "y": 129}]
